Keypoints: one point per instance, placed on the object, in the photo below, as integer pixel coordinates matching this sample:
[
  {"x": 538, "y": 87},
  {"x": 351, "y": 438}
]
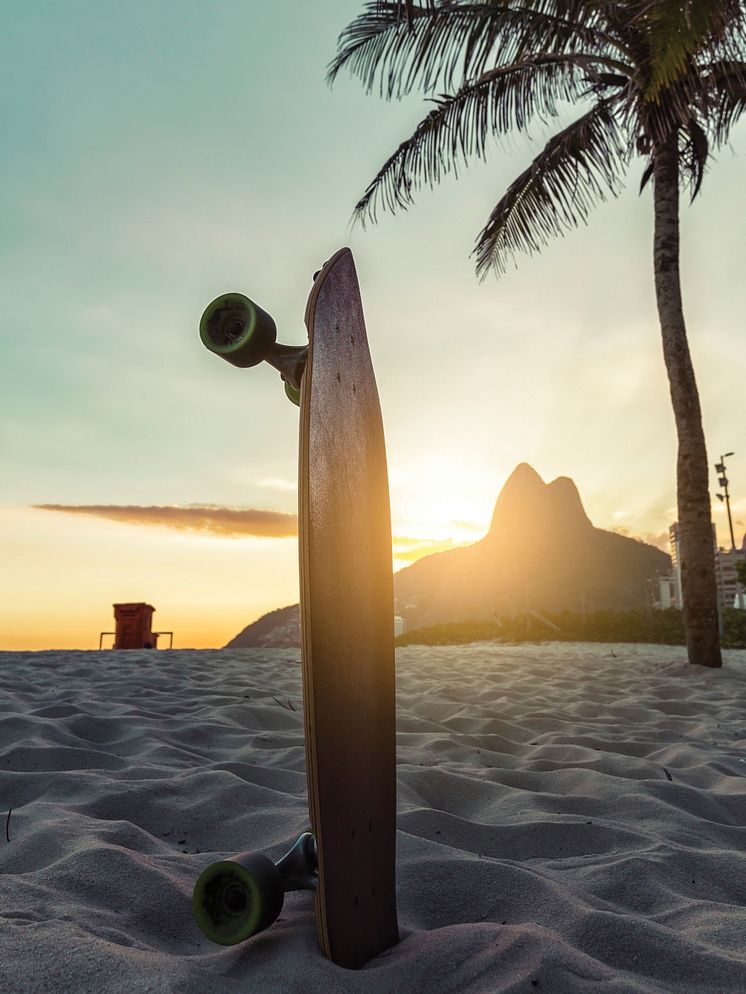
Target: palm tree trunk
[{"x": 693, "y": 497}]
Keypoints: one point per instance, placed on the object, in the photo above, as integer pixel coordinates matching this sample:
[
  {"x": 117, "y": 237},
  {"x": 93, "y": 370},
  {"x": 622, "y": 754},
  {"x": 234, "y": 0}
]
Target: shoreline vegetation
[{"x": 664, "y": 627}]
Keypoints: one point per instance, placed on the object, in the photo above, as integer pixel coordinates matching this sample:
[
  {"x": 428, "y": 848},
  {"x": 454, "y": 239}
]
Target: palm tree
[{"x": 661, "y": 79}]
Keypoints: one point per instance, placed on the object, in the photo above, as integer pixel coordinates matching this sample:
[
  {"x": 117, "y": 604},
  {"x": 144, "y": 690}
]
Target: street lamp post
[
  {"x": 725, "y": 496},
  {"x": 723, "y": 481}
]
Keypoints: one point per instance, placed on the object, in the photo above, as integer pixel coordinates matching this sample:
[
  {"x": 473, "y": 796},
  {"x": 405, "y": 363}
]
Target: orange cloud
[
  {"x": 233, "y": 522},
  {"x": 207, "y": 519}
]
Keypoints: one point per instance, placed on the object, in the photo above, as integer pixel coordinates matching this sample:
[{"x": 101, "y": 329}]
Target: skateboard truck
[
  {"x": 242, "y": 333},
  {"x": 235, "y": 898}
]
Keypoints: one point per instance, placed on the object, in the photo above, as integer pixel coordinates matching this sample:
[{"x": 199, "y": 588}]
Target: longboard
[{"x": 347, "y": 618}]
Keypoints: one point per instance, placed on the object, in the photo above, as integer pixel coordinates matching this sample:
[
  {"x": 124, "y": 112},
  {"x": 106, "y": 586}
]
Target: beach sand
[{"x": 572, "y": 818}]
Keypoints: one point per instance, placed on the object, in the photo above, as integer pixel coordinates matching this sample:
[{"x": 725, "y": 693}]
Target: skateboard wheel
[
  {"x": 234, "y": 899},
  {"x": 292, "y": 394},
  {"x": 237, "y": 329}
]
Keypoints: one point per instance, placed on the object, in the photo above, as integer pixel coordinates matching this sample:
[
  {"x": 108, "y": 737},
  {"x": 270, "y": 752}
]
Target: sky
[{"x": 155, "y": 155}]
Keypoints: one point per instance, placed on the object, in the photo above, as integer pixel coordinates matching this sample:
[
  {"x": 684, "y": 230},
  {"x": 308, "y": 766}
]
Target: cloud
[
  {"x": 659, "y": 539},
  {"x": 207, "y": 519}
]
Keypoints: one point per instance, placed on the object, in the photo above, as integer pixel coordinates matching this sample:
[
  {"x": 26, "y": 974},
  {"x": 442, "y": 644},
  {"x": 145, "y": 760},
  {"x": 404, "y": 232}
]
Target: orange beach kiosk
[{"x": 134, "y": 628}]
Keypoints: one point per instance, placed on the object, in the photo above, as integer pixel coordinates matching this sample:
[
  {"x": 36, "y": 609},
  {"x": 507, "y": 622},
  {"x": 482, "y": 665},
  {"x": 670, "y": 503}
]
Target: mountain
[
  {"x": 279, "y": 629},
  {"x": 541, "y": 552}
]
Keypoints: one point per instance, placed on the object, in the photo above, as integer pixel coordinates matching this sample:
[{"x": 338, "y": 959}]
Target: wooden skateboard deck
[
  {"x": 347, "y": 625},
  {"x": 347, "y": 622}
]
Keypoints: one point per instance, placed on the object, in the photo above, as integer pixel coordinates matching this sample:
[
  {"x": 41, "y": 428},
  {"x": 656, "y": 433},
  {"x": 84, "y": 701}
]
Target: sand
[{"x": 572, "y": 818}]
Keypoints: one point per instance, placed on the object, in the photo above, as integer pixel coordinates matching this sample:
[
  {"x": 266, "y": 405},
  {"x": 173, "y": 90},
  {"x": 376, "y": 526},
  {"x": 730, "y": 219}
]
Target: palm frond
[
  {"x": 726, "y": 81},
  {"x": 647, "y": 174},
  {"x": 576, "y": 170},
  {"x": 673, "y": 107},
  {"x": 660, "y": 71},
  {"x": 678, "y": 31},
  {"x": 460, "y": 125},
  {"x": 694, "y": 150},
  {"x": 444, "y": 42},
  {"x": 407, "y": 6}
]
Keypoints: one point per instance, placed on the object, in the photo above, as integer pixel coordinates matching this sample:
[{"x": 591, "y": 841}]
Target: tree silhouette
[{"x": 664, "y": 80}]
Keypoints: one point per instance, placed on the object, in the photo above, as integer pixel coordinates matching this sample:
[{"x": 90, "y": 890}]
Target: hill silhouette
[
  {"x": 279, "y": 629},
  {"x": 541, "y": 553}
]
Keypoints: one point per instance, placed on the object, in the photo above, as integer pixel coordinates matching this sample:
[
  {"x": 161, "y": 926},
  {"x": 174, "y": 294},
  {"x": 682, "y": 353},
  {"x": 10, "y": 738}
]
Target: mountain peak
[
  {"x": 522, "y": 484},
  {"x": 564, "y": 495},
  {"x": 529, "y": 505},
  {"x": 524, "y": 476}
]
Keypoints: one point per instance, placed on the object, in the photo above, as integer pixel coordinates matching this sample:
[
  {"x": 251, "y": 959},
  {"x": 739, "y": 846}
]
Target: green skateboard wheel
[
  {"x": 237, "y": 329},
  {"x": 292, "y": 394},
  {"x": 234, "y": 899}
]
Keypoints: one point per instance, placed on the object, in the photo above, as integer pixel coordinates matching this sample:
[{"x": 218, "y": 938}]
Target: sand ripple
[{"x": 572, "y": 818}]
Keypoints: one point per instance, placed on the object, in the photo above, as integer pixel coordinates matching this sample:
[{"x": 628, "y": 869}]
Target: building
[
  {"x": 665, "y": 592},
  {"x": 730, "y": 592}
]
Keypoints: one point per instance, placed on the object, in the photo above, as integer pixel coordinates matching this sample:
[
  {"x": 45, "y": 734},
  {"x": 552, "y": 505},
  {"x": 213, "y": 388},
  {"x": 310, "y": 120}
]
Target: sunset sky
[{"x": 157, "y": 154}]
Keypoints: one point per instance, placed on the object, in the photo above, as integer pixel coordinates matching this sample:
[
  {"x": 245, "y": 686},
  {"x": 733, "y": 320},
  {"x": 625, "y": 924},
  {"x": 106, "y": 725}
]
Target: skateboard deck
[
  {"x": 347, "y": 624},
  {"x": 347, "y": 620}
]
